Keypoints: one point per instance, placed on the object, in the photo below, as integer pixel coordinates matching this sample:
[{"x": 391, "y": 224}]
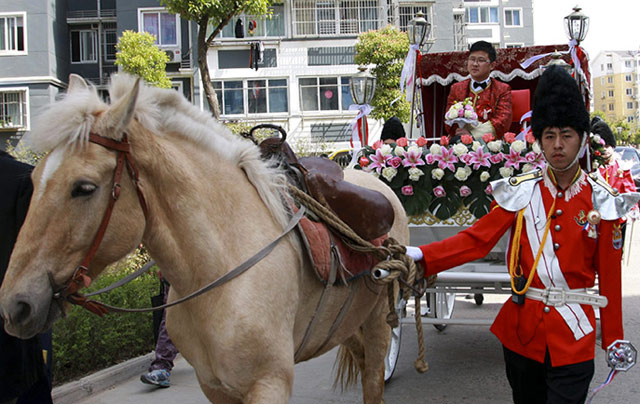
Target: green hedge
[{"x": 84, "y": 343}]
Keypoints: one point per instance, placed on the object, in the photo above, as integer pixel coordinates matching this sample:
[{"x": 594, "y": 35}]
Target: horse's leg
[
  {"x": 273, "y": 388},
  {"x": 218, "y": 396},
  {"x": 376, "y": 336}
]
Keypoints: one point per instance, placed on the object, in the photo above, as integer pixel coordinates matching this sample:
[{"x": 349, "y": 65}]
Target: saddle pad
[{"x": 319, "y": 243}]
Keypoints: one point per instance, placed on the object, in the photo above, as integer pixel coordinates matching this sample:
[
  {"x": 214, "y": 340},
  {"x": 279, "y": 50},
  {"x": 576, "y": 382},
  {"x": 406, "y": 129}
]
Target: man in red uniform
[
  {"x": 491, "y": 98},
  {"x": 564, "y": 229}
]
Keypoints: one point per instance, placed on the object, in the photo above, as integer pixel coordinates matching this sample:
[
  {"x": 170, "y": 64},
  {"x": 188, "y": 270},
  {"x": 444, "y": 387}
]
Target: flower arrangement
[
  {"x": 441, "y": 178},
  {"x": 461, "y": 113}
]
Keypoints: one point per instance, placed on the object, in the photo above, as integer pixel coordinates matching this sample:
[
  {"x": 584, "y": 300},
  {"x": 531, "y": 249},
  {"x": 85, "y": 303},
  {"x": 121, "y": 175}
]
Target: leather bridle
[{"x": 80, "y": 278}]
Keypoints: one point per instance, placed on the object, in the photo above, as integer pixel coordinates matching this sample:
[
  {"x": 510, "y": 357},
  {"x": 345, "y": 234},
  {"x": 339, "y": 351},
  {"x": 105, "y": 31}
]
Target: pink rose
[
  {"x": 429, "y": 158},
  {"x": 529, "y": 138},
  {"x": 488, "y": 137},
  {"x": 402, "y": 142},
  {"x": 377, "y": 144},
  {"x": 439, "y": 191},
  {"x": 466, "y": 139},
  {"x": 363, "y": 161},
  {"x": 488, "y": 190},
  {"x": 465, "y": 191},
  {"x": 395, "y": 162},
  {"x": 509, "y": 137},
  {"x": 444, "y": 141},
  {"x": 421, "y": 141},
  {"x": 460, "y": 113},
  {"x": 407, "y": 190},
  {"x": 496, "y": 158}
]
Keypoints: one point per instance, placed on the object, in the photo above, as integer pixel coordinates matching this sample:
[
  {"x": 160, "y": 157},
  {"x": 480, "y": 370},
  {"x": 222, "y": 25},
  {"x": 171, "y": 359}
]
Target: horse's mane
[{"x": 69, "y": 121}]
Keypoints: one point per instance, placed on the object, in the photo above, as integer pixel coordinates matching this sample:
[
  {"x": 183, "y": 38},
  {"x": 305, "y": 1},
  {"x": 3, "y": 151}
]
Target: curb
[{"x": 81, "y": 389}]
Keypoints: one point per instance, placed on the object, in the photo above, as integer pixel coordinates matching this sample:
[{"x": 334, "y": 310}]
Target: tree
[
  {"x": 138, "y": 55},
  {"x": 386, "y": 49},
  {"x": 217, "y": 14}
]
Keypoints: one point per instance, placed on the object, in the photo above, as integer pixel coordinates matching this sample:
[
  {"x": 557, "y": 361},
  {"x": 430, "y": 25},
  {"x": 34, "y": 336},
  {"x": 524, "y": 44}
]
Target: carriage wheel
[
  {"x": 444, "y": 308},
  {"x": 393, "y": 352}
]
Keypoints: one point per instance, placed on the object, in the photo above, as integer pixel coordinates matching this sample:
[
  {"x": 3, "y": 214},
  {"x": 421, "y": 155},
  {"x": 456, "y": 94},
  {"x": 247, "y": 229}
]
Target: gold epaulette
[
  {"x": 531, "y": 175},
  {"x": 604, "y": 184}
]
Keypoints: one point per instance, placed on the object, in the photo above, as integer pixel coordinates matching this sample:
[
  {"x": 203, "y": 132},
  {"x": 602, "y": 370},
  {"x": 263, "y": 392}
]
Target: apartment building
[
  {"x": 615, "y": 85},
  {"x": 504, "y": 23}
]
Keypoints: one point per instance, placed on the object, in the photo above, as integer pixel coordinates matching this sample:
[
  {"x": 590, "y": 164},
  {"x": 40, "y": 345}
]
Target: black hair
[
  {"x": 600, "y": 128},
  {"x": 558, "y": 103},
  {"x": 484, "y": 46},
  {"x": 392, "y": 129}
]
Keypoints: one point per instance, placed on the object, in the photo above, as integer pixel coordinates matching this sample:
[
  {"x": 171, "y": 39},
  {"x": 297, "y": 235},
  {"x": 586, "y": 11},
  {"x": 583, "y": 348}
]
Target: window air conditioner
[{"x": 175, "y": 55}]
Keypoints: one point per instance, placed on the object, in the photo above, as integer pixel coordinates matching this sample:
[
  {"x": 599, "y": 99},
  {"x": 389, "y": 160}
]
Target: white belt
[{"x": 559, "y": 297}]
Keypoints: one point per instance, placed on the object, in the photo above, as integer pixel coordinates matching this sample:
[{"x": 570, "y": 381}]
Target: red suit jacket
[
  {"x": 528, "y": 329},
  {"x": 491, "y": 104}
]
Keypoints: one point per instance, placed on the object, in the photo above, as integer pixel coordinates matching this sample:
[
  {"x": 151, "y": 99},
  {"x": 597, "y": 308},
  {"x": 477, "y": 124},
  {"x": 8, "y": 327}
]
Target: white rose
[
  {"x": 399, "y": 151},
  {"x": 459, "y": 149},
  {"x": 437, "y": 174},
  {"x": 527, "y": 167},
  {"x": 468, "y": 114},
  {"x": 467, "y": 169},
  {"x": 389, "y": 172},
  {"x": 461, "y": 174},
  {"x": 475, "y": 146},
  {"x": 435, "y": 149},
  {"x": 518, "y": 146},
  {"x": 415, "y": 173},
  {"x": 506, "y": 171},
  {"x": 596, "y": 138},
  {"x": 536, "y": 147},
  {"x": 495, "y": 146},
  {"x": 385, "y": 150},
  {"x": 415, "y": 149},
  {"x": 484, "y": 176}
]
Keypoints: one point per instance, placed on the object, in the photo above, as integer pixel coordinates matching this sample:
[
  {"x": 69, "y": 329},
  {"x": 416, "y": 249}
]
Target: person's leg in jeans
[{"x": 166, "y": 352}]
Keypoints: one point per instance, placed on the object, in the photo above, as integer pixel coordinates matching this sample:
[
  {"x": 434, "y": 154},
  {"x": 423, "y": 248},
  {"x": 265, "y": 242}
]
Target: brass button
[
  {"x": 547, "y": 309},
  {"x": 556, "y": 246},
  {"x": 560, "y": 194},
  {"x": 557, "y": 227},
  {"x": 559, "y": 212}
]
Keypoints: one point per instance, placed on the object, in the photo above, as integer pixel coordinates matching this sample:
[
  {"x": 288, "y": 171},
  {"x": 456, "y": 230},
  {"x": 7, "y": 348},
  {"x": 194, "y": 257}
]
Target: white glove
[{"x": 415, "y": 253}]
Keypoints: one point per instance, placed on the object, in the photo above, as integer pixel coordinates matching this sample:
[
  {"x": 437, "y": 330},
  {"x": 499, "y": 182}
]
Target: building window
[
  {"x": 610, "y": 79},
  {"x": 602, "y": 80},
  {"x": 240, "y": 97},
  {"x": 512, "y": 17},
  {"x": 407, "y": 12},
  {"x": 325, "y": 93},
  {"x": 13, "y": 33},
  {"x": 630, "y": 119},
  {"x": 628, "y": 77},
  {"x": 611, "y": 107},
  {"x": 255, "y": 26},
  {"x": 609, "y": 66},
  {"x": 242, "y": 59},
  {"x": 610, "y": 93},
  {"x": 165, "y": 26},
  {"x": 109, "y": 40},
  {"x": 629, "y": 63},
  {"x": 334, "y": 17},
  {"x": 331, "y": 56},
  {"x": 13, "y": 108},
  {"x": 629, "y": 91},
  {"x": 514, "y": 45},
  {"x": 630, "y": 105},
  {"x": 481, "y": 15},
  {"x": 601, "y": 67},
  {"x": 83, "y": 47}
]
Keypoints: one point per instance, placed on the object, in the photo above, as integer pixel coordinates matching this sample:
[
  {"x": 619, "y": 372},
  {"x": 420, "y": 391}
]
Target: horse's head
[{"x": 72, "y": 189}]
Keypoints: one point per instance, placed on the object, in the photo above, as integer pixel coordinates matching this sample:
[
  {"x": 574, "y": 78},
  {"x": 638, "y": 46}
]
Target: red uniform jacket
[
  {"x": 617, "y": 177},
  {"x": 491, "y": 104},
  {"x": 527, "y": 329}
]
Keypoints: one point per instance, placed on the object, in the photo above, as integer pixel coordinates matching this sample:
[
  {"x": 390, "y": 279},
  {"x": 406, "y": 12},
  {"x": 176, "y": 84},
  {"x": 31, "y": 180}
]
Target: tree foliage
[
  {"x": 386, "y": 49},
  {"x": 628, "y": 135},
  {"x": 215, "y": 14},
  {"x": 138, "y": 55}
]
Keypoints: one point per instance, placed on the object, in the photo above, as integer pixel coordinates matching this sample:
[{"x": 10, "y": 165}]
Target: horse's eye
[{"x": 83, "y": 188}]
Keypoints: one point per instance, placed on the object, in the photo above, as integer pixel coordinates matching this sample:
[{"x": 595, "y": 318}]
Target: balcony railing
[{"x": 91, "y": 14}]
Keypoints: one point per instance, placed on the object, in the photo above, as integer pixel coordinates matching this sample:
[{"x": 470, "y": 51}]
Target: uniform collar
[{"x": 572, "y": 190}]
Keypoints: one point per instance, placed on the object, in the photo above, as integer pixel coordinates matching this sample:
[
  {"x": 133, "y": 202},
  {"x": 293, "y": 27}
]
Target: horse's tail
[{"x": 349, "y": 362}]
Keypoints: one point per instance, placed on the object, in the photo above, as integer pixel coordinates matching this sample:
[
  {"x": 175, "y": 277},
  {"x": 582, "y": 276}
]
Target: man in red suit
[
  {"x": 564, "y": 229},
  {"x": 491, "y": 98}
]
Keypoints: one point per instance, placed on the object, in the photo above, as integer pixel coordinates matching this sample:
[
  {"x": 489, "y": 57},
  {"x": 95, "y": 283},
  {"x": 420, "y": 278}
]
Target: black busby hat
[
  {"x": 558, "y": 104},
  {"x": 600, "y": 128},
  {"x": 392, "y": 129}
]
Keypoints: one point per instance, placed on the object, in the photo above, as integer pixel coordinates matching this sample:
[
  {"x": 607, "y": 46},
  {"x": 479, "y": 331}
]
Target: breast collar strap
[{"x": 80, "y": 278}]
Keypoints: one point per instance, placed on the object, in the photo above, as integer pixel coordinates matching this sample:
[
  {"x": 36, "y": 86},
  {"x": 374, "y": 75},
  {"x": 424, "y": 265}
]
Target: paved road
[{"x": 465, "y": 364}]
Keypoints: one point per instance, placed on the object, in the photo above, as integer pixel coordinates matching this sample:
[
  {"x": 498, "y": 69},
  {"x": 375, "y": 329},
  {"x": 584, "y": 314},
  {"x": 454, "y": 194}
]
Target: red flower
[
  {"x": 529, "y": 137},
  {"x": 377, "y": 144},
  {"x": 363, "y": 161},
  {"x": 421, "y": 141},
  {"x": 466, "y": 139},
  {"x": 488, "y": 137},
  {"x": 444, "y": 141},
  {"x": 509, "y": 137},
  {"x": 597, "y": 153},
  {"x": 402, "y": 142}
]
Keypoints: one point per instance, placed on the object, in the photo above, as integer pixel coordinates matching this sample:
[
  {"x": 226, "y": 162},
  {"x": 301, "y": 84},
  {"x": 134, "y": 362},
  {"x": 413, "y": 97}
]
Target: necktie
[{"x": 477, "y": 85}]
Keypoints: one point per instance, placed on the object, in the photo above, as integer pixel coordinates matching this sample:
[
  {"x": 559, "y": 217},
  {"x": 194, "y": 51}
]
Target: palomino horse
[{"x": 212, "y": 203}]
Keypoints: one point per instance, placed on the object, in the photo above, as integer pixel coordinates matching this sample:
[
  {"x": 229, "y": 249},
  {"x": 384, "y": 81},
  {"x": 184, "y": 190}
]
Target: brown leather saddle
[{"x": 369, "y": 213}]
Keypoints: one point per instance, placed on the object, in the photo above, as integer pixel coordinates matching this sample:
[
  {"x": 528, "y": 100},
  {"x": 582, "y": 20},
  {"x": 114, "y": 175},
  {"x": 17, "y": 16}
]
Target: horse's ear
[
  {"x": 76, "y": 83},
  {"x": 120, "y": 113}
]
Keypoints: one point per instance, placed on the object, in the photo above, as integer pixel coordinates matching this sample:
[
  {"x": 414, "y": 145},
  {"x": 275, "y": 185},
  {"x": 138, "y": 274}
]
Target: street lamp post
[
  {"x": 576, "y": 25},
  {"x": 418, "y": 30},
  {"x": 362, "y": 86},
  {"x": 619, "y": 129}
]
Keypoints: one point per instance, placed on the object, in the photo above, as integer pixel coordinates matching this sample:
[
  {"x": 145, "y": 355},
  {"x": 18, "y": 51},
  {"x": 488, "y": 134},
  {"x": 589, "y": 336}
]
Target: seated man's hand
[
  {"x": 415, "y": 253},
  {"x": 462, "y": 131}
]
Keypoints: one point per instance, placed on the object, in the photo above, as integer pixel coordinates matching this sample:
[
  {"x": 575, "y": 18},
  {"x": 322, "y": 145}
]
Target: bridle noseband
[{"x": 80, "y": 278}]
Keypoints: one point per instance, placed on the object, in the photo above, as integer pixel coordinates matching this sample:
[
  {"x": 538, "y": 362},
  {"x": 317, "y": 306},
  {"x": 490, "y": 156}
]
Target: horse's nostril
[{"x": 22, "y": 312}]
